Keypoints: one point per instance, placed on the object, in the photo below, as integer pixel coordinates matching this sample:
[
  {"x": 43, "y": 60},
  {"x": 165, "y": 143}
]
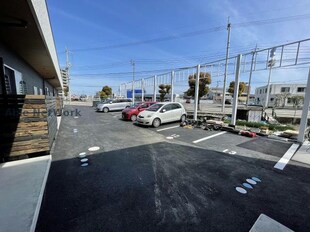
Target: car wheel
[
  {"x": 127, "y": 107},
  {"x": 156, "y": 122},
  {"x": 183, "y": 118},
  {"x": 133, "y": 117},
  {"x": 105, "y": 109}
]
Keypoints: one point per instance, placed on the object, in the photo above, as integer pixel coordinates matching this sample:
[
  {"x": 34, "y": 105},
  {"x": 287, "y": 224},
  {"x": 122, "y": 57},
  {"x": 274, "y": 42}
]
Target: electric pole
[
  {"x": 226, "y": 65},
  {"x": 132, "y": 62},
  {"x": 68, "y": 76},
  {"x": 250, "y": 77}
]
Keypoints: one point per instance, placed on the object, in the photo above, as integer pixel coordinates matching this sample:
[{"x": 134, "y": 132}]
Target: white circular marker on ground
[
  {"x": 84, "y": 164},
  {"x": 82, "y": 155},
  {"x": 169, "y": 137},
  {"x": 93, "y": 148},
  {"x": 251, "y": 181},
  {"x": 256, "y": 179},
  {"x": 241, "y": 190},
  {"x": 84, "y": 160},
  {"x": 247, "y": 185}
]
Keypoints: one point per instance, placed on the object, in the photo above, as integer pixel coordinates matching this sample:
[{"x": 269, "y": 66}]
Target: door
[
  {"x": 166, "y": 114},
  {"x": 176, "y": 110}
]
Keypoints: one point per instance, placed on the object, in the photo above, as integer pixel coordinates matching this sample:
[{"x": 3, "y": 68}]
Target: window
[
  {"x": 175, "y": 106},
  {"x": 144, "y": 106},
  {"x": 285, "y": 89},
  {"x": 289, "y": 100},
  {"x": 260, "y": 91},
  {"x": 167, "y": 107},
  {"x": 35, "y": 90},
  {"x": 301, "y": 89}
]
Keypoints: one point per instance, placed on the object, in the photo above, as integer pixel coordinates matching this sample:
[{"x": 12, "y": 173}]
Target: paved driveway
[{"x": 141, "y": 181}]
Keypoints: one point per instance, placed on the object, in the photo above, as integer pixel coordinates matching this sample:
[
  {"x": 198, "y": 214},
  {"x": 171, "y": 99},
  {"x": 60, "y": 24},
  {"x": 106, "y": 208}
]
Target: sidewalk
[
  {"x": 22, "y": 186},
  {"x": 303, "y": 153}
]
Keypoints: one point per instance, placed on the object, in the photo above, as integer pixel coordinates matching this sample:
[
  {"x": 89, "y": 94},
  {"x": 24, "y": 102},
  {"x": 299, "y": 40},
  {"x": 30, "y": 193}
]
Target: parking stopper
[{"x": 84, "y": 164}]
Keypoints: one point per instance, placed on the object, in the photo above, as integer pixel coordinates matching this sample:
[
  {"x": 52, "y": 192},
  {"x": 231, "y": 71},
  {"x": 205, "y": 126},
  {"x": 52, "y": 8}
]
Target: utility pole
[
  {"x": 271, "y": 63},
  {"x": 68, "y": 76},
  {"x": 250, "y": 77},
  {"x": 226, "y": 66},
  {"x": 132, "y": 62}
]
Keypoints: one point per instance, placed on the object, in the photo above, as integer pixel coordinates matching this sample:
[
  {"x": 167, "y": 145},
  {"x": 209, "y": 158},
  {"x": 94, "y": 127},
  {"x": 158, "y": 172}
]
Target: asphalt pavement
[{"x": 166, "y": 179}]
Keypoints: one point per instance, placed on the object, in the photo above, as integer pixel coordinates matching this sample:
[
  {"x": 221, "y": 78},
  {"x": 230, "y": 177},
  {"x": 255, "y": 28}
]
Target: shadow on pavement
[{"x": 170, "y": 187}]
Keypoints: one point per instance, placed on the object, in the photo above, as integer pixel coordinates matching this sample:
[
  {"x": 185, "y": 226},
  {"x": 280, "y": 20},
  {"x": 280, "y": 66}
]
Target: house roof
[{"x": 25, "y": 29}]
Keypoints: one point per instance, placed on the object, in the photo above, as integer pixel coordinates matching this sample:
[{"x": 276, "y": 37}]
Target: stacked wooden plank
[{"x": 28, "y": 125}]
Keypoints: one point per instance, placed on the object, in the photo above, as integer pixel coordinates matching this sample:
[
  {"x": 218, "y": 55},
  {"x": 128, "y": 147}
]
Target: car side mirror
[{"x": 163, "y": 110}]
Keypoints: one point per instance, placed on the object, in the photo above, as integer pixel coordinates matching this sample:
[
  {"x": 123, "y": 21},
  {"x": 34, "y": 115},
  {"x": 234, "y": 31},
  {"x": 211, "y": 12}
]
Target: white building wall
[{"x": 275, "y": 89}]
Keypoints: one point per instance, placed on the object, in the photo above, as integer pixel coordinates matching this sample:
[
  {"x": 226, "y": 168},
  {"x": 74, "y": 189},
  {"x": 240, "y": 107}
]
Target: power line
[{"x": 195, "y": 33}]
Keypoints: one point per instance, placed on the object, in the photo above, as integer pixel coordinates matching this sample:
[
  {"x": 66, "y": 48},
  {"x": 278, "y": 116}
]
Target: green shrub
[{"x": 260, "y": 124}]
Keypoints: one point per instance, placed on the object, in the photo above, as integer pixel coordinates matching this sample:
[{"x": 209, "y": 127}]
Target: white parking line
[
  {"x": 286, "y": 157},
  {"x": 209, "y": 137},
  {"x": 168, "y": 128}
]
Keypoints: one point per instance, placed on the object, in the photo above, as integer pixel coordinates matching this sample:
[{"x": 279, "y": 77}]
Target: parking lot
[{"x": 167, "y": 179}]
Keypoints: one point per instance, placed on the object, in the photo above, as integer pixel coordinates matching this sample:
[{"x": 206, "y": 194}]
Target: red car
[{"x": 132, "y": 112}]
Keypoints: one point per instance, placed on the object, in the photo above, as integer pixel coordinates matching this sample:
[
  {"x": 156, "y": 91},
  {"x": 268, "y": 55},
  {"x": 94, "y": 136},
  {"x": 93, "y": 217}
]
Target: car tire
[
  {"x": 105, "y": 109},
  {"x": 127, "y": 106},
  {"x": 156, "y": 122},
  {"x": 133, "y": 117},
  {"x": 183, "y": 118}
]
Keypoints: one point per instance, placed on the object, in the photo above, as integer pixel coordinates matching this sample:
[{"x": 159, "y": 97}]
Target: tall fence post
[
  {"x": 196, "y": 92},
  {"x": 304, "y": 115},
  {"x": 172, "y": 82},
  {"x": 125, "y": 91},
  {"x": 154, "y": 89},
  {"x": 142, "y": 90},
  {"x": 236, "y": 91}
]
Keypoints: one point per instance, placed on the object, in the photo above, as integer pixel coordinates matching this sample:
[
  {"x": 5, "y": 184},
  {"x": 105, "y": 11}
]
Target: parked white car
[
  {"x": 160, "y": 113},
  {"x": 114, "y": 104}
]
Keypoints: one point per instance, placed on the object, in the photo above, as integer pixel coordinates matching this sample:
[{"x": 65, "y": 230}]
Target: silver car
[
  {"x": 114, "y": 104},
  {"x": 163, "y": 112}
]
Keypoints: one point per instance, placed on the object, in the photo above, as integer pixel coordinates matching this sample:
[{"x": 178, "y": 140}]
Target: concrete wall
[{"x": 29, "y": 75}]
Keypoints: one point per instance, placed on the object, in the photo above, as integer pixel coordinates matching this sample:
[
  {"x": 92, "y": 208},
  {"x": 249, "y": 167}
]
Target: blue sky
[{"x": 103, "y": 36}]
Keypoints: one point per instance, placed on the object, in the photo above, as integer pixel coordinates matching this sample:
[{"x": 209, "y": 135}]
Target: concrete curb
[{"x": 38, "y": 207}]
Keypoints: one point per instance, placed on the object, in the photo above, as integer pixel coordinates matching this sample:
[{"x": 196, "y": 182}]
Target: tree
[
  {"x": 105, "y": 92},
  {"x": 297, "y": 101},
  {"x": 242, "y": 88},
  {"x": 163, "y": 90},
  {"x": 204, "y": 81},
  {"x": 283, "y": 97}
]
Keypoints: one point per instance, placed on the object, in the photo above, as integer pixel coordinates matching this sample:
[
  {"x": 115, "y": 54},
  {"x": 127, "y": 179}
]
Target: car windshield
[
  {"x": 135, "y": 105},
  {"x": 154, "y": 107}
]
